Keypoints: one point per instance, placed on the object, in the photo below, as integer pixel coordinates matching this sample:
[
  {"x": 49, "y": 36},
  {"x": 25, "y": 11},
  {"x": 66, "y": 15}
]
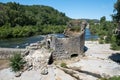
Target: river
[{"x": 23, "y": 42}]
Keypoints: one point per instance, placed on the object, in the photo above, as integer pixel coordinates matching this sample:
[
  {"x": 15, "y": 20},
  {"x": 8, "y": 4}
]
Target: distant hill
[{"x": 94, "y": 20}]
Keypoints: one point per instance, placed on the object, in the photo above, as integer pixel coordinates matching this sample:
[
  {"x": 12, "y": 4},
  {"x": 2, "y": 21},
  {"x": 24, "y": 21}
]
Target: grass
[
  {"x": 63, "y": 64},
  {"x": 112, "y": 78}
]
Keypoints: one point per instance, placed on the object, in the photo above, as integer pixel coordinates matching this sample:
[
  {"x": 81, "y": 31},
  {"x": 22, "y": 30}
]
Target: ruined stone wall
[{"x": 65, "y": 47}]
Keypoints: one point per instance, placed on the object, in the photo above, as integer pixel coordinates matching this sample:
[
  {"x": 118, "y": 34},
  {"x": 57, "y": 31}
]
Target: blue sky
[{"x": 77, "y": 9}]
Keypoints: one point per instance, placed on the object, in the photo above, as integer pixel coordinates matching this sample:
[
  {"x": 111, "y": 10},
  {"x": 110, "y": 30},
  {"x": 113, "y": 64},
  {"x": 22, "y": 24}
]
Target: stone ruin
[
  {"x": 38, "y": 57},
  {"x": 70, "y": 46}
]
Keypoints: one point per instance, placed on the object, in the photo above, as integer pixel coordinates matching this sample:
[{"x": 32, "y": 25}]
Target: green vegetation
[
  {"x": 26, "y": 31},
  {"x": 108, "y": 31},
  {"x": 17, "y": 62},
  {"x": 22, "y": 20},
  {"x": 104, "y": 29},
  {"x": 75, "y": 28},
  {"x": 112, "y": 78},
  {"x": 74, "y": 25},
  {"x": 63, "y": 64}
]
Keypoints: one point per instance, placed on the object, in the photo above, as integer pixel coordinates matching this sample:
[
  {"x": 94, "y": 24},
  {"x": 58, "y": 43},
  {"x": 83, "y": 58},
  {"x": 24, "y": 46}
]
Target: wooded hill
[{"x": 19, "y": 19}]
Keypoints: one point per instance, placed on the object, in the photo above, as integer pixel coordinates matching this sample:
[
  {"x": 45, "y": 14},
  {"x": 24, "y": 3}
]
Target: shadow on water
[{"x": 115, "y": 57}]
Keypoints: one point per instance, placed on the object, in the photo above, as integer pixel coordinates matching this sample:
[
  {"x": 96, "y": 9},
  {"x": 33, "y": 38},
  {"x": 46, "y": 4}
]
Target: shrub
[
  {"x": 64, "y": 65},
  {"x": 16, "y": 62},
  {"x": 114, "y": 46},
  {"x": 103, "y": 79},
  {"x": 101, "y": 41},
  {"x": 112, "y": 78},
  {"x": 75, "y": 28}
]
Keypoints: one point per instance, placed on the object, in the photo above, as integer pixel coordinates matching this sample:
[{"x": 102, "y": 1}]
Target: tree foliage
[
  {"x": 116, "y": 16},
  {"x": 18, "y": 20},
  {"x": 106, "y": 32}
]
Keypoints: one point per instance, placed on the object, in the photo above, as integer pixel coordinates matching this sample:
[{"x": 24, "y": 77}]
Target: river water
[{"x": 23, "y": 42}]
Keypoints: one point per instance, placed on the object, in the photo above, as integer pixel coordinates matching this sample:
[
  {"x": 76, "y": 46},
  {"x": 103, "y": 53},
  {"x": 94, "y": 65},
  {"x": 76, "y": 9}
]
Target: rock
[
  {"x": 105, "y": 75},
  {"x": 44, "y": 72},
  {"x": 30, "y": 68},
  {"x": 17, "y": 74},
  {"x": 25, "y": 68},
  {"x": 26, "y": 53}
]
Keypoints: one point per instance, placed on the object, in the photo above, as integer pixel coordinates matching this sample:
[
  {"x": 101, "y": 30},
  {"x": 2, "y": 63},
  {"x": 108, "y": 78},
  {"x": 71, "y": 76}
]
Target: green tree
[
  {"x": 116, "y": 16},
  {"x": 102, "y": 19}
]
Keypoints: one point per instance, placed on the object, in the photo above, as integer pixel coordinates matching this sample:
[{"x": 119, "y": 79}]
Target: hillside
[{"x": 15, "y": 15}]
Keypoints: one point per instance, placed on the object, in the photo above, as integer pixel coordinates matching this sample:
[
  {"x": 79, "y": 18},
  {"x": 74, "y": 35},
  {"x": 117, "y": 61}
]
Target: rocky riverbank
[{"x": 98, "y": 62}]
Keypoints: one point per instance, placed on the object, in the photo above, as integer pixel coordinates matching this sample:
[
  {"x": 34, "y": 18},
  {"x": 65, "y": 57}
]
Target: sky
[{"x": 76, "y": 9}]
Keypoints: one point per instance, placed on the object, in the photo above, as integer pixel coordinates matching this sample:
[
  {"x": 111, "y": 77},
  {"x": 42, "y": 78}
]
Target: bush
[
  {"x": 17, "y": 62},
  {"x": 112, "y": 78},
  {"x": 114, "y": 46},
  {"x": 64, "y": 65},
  {"x": 101, "y": 41},
  {"x": 103, "y": 79}
]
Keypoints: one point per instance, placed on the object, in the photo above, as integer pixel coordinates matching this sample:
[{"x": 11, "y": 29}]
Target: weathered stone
[
  {"x": 17, "y": 74},
  {"x": 26, "y": 52},
  {"x": 64, "y": 48},
  {"x": 24, "y": 69},
  {"x": 30, "y": 68},
  {"x": 44, "y": 71},
  {"x": 105, "y": 75}
]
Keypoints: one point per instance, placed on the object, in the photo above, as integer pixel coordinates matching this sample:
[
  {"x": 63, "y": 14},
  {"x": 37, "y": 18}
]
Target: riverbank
[
  {"x": 23, "y": 42},
  {"x": 96, "y": 63}
]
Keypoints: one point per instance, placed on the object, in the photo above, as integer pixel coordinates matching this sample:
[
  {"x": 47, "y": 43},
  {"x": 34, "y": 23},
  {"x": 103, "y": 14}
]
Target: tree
[
  {"x": 28, "y": 20},
  {"x": 116, "y": 16},
  {"x": 102, "y": 19}
]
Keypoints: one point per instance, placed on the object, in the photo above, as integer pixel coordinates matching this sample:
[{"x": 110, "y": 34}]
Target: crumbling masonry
[{"x": 71, "y": 45}]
